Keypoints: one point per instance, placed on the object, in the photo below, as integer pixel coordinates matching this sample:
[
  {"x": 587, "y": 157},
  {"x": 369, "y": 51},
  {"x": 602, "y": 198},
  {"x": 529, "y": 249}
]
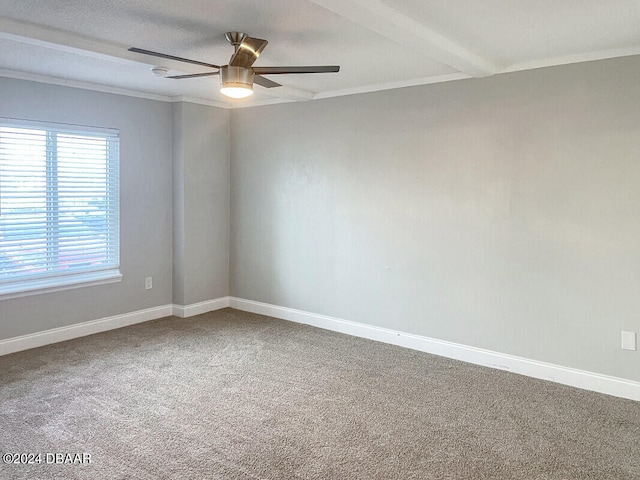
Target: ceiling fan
[{"x": 237, "y": 78}]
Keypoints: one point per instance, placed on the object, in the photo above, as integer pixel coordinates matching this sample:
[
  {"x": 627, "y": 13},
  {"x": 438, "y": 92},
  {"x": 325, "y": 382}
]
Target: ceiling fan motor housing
[{"x": 235, "y": 75}]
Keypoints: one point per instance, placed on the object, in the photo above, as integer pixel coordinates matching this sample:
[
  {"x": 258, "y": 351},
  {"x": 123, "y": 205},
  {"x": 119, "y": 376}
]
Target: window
[{"x": 59, "y": 207}]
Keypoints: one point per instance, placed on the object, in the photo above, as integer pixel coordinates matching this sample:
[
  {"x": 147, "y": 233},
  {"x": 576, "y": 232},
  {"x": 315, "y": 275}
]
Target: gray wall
[
  {"x": 145, "y": 208},
  {"x": 499, "y": 213},
  {"x": 174, "y": 161},
  {"x": 200, "y": 203}
]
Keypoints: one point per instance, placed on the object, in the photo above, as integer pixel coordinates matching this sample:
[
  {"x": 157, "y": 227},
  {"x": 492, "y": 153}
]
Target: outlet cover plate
[{"x": 629, "y": 341}]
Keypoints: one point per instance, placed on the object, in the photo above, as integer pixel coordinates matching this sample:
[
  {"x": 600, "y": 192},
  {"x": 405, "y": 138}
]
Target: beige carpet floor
[{"x": 232, "y": 395}]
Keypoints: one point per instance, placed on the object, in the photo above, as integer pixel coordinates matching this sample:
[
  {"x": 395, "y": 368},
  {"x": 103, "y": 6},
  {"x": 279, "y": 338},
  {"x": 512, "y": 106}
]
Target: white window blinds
[{"x": 59, "y": 205}]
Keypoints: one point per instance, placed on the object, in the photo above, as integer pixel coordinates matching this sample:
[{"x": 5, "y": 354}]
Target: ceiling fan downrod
[{"x": 235, "y": 38}]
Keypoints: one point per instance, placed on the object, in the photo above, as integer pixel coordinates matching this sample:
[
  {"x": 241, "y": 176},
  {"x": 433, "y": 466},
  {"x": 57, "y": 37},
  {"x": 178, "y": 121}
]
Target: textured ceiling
[{"x": 378, "y": 44}]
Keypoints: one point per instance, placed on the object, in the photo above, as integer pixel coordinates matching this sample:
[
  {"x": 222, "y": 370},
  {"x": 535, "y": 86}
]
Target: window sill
[{"x": 56, "y": 284}]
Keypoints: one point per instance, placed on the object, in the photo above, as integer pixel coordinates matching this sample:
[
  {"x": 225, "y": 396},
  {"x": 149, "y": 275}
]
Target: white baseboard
[
  {"x": 199, "y": 308},
  {"x": 61, "y": 334},
  {"x": 596, "y": 382},
  {"x": 47, "y": 337}
]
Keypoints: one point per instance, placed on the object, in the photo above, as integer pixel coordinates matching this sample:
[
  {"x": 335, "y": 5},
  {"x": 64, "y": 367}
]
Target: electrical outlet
[
  {"x": 148, "y": 283},
  {"x": 629, "y": 341}
]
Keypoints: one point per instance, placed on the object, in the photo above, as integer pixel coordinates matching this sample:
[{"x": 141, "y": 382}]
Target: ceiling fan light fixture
[
  {"x": 237, "y": 91},
  {"x": 236, "y": 82}
]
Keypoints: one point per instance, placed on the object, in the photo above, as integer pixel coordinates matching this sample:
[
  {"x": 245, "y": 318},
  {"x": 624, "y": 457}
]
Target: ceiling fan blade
[
  {"x": 248, "y": 52},
  {"x": 171, "y": 57},
  {"x": 193, "y": 75},
  {"x": 265, "y": 82},
  {"x": 284, "y": 70}
]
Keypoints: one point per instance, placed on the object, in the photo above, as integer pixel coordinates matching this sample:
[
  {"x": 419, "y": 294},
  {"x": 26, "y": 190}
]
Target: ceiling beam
[{"x": 379, "y": 17}]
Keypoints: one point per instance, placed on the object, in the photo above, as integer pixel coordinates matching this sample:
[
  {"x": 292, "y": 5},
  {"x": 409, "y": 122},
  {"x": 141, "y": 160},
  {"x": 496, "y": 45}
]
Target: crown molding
[
  {"x": 34, "y": 77},
  {"x": 577, "y": 58},
  {"x": 377, "y": 87},
  {"x": 199, "y": 101}
]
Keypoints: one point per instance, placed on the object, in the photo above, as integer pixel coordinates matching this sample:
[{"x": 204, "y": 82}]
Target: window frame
[{"x": 63, "y": 280}]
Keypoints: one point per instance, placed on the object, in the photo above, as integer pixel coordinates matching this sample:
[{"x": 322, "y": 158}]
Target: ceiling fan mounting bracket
[{"x": 235, "y": 38}]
